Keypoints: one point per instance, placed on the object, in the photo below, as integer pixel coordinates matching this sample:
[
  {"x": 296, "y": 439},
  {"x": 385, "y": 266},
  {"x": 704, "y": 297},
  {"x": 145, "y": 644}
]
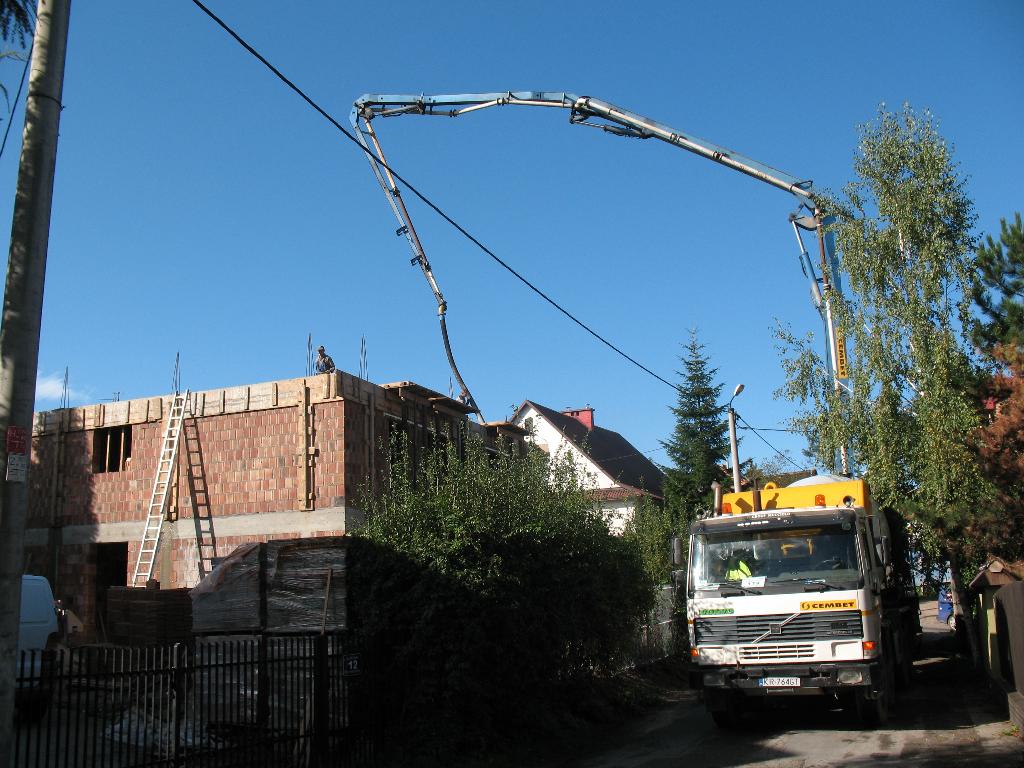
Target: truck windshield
[{"x": 792, "y": 555}]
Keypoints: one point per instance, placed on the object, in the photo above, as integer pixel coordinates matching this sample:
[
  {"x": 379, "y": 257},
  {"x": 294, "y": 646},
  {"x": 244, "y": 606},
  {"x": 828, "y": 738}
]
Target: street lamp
[{"x": 732, "y": 441}]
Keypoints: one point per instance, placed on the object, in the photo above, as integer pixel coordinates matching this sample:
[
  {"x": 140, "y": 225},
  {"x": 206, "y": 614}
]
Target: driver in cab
[{"x": 738, "y": 565}]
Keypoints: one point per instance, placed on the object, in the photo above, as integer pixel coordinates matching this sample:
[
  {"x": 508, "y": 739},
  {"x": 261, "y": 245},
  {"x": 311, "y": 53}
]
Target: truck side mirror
[
  {"x": 886, "y": 552},
  {"x": 886, "y": 547},
  {"x": 677, "y": 551}
]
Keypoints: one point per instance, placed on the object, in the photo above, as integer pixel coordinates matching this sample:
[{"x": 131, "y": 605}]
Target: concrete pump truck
[
  {"x": 798, "y": 591},
  {"x": 801, "y": 591},
  {"x": 594, "y": 113}
]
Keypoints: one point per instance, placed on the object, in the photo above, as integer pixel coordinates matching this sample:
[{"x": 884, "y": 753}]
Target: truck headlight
[{"x": 850, "y": 676}]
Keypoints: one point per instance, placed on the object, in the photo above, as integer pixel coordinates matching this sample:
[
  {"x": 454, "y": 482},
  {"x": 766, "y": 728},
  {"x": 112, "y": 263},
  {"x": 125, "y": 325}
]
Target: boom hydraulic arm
[{"x": 594, "y": 113}]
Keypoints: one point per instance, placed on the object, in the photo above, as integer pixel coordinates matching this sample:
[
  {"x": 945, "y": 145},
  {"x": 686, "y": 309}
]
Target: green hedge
[{"x": 485, "y": 586}]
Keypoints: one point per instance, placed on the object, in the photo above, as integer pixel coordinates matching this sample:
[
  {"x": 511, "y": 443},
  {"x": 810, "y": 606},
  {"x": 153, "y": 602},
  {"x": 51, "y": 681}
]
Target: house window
[{"x": 111, "y": 449}]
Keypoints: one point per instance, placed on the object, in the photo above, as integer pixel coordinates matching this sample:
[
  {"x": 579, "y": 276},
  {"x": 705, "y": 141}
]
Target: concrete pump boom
[{"x": 588, "y": 111}]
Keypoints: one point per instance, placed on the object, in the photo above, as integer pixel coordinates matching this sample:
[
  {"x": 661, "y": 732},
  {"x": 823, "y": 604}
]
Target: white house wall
[
  {"x": 549, "y": 438},
  {"x": 617, "y": 514}
]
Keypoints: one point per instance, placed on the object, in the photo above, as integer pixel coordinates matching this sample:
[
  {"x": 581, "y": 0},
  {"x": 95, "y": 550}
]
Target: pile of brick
[{"x": 138, "y": 616}]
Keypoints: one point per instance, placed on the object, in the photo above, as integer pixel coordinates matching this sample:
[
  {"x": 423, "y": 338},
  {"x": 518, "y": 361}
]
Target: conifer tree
[
  {"x": 700, "y": 443},
  {"x": 999, "y": 294}
]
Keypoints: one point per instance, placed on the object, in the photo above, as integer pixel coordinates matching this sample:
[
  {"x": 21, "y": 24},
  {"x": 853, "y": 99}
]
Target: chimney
[{"x": 584, "y": 416}]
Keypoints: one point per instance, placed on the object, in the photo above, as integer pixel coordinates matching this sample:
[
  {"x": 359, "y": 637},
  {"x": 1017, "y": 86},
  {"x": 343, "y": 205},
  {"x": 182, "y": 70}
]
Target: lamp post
[{"x": 732, "y": 441}]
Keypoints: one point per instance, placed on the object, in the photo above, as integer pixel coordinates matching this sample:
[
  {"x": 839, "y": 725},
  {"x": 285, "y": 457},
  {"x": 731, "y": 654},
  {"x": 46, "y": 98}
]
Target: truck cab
[{"x": 793, "y": 592}]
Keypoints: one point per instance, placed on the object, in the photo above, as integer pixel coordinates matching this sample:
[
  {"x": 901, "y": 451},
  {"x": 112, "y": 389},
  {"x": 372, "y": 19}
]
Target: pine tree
[
  {"x": 999, "y": 294},
  {"x": 700, "y": 443}
]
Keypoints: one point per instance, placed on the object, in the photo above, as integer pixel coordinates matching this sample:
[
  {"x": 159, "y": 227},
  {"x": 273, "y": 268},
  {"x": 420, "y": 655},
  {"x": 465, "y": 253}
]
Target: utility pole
[
  {"x": 19, "y": 331},
  {"x": 733, "y": 443}
]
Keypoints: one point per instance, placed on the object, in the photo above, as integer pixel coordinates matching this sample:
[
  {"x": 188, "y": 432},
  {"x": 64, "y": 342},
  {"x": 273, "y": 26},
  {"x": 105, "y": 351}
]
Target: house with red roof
[{"x": 615, "y": 471}]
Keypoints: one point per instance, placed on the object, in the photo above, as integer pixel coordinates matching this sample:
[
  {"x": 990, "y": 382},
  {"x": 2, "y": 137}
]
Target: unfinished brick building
[{"x": 281, "y": 459}]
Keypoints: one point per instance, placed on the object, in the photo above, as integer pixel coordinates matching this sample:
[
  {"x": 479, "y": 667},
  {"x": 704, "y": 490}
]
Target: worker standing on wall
[{"x": 324, "y": 363}]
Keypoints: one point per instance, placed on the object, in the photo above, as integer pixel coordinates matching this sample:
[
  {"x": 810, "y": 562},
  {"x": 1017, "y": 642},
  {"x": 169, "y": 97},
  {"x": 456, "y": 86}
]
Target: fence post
[
  {"x": 180, "y": 682},
  {"x": 321, "y": 700}
]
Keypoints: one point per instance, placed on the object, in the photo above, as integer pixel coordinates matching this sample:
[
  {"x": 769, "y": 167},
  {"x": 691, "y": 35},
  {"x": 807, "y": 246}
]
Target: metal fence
[
  {"x": 658, "y": 638},
  {"x": 246, "y": 701}
]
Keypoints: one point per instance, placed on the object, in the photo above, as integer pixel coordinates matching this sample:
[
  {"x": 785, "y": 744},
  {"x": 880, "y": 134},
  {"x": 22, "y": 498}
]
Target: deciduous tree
[
  {"x": 905, "y": 236},
  {"x": 488, "y": 585},
  {"x": 15, "y": 19},
  {"x": 1001, "y": 449}
]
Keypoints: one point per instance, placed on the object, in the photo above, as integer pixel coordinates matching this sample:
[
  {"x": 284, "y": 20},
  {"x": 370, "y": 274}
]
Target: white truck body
[{"x": 797, "y": 600}]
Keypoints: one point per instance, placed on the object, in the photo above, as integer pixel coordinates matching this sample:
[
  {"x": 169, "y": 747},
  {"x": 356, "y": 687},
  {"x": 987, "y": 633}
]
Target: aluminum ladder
[{"x": 165, "y": 469}]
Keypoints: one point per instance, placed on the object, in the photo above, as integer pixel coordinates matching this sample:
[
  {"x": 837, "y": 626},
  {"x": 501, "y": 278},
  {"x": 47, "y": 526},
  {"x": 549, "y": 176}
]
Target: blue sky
[{"x": 200, "y": 206}]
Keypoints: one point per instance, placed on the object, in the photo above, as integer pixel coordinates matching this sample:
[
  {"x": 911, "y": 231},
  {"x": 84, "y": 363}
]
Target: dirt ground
[{"x": 947, "y": 718}]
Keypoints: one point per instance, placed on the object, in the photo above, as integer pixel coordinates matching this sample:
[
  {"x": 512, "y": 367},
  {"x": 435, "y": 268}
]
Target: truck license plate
[{"x": 779, "y": 682}]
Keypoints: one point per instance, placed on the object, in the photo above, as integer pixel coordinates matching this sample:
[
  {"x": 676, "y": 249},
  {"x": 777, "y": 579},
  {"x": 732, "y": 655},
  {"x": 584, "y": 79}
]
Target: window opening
[{"x": 112, "y": 449}]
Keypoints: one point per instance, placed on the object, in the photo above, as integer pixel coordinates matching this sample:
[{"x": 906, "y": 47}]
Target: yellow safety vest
[{"x": 738, "y": 572}]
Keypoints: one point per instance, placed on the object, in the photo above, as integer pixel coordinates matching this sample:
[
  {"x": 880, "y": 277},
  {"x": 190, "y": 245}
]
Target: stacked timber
[
  {"x": 282, "y": 586},
  {"x": 140, "y": 616}
]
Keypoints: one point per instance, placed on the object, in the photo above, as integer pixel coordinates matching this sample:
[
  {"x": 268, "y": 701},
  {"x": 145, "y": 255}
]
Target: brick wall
[
  {"x": 329, "y": 461},
  {"x": 252, "y": 441},
  {"x": 250, "y": 461},
  {"x": 92, "y": 497}
]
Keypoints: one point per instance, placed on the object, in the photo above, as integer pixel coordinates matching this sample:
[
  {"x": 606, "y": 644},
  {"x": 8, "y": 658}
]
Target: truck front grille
[
  {"x": 739, "y": 630},
  {"x": 763, "y": 652}
]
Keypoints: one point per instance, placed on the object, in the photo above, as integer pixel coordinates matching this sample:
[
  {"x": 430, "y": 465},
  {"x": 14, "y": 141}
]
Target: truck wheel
[
  {"x": 872, "y": 712},
  {"x": 905, "y": 671}
]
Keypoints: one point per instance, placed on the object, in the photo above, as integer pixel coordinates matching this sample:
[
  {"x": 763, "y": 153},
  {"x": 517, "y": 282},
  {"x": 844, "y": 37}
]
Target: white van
[{"x": 37, "y": 633}]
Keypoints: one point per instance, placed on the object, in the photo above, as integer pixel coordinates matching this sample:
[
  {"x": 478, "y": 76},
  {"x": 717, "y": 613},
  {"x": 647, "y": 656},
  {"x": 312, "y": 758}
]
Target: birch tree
[{"x": 906, "y": 244}]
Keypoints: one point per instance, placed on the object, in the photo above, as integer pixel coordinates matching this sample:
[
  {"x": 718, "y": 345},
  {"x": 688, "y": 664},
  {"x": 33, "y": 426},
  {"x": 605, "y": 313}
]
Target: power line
[
  {"x": 458, "y": 227},
  {"x": 634, "y": 453},
  {"x": 429, "y": 203},
  {"x": 17, "y": 98},
  {"x": 763, "y": 440}
]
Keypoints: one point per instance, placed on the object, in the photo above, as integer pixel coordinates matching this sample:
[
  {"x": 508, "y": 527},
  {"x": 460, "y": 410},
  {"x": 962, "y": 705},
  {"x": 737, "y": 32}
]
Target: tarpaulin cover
[{"x": 276, "y": 586}]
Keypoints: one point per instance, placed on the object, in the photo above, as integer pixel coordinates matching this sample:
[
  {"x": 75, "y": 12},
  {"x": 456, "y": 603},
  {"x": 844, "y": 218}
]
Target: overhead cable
[
  {"x": 17, "y": 98},
  {"x": 429, "y": 203},
  {"x": 763, "y": 440},
  {"x": 437, "y": 209}
]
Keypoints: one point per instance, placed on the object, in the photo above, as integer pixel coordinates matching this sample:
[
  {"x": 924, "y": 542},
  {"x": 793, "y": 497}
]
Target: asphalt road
[{"x": 945, "y": 719}]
